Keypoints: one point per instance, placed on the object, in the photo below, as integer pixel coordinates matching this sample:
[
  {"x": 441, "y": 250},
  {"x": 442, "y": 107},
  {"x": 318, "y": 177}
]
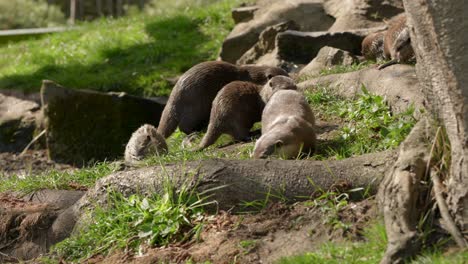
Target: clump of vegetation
[
  {"x": 58, "y": 180},
  {"x": 346, "y": 68},
  {"x": 370, "y": 125},
  {"x": 29, "y": 14},
  {"x": 370, "y": 251},
  {"x": 135, "y": 54},
  {"x": 137, "y": 221}
]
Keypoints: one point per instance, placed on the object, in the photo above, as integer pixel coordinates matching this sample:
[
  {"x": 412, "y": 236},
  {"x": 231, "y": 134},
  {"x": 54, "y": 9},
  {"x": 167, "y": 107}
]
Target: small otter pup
[
  {"x": 372, "y": 47},
  {"x": 238, "y": 106},
  {"x": 144, "y": 141},
  {"x": 397, "y": 42},
  {"x": 288, "y": 126},
  {"x": 189, "y": 103}
]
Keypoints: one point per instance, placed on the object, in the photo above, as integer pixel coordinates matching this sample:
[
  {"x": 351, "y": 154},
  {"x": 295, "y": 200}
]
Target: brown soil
[
  {"x": 32, "y": 162},
  {"x": 265, "y": 237}
]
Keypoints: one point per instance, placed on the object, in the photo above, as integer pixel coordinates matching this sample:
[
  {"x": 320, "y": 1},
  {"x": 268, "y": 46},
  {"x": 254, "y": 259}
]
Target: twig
[
  {"x": 450, "y": 224},
  {"x": 32, "y": 142}
]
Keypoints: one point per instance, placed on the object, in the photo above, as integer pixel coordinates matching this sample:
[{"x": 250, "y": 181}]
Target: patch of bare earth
[
  {"x": 31, "y": 162},
  {"x": 277, "y": 231}
]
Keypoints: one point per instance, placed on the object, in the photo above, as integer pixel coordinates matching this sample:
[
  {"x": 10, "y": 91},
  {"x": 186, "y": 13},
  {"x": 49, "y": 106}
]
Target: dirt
[
  {"x": 277, "y": 231},
  {"x": 32, "y": 162}
]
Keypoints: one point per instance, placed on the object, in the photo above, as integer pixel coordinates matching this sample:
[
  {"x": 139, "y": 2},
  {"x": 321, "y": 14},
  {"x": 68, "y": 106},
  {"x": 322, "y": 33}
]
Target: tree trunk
[
  {"x": 249, "y": 180},
  {"x": 439, "y": 38}
]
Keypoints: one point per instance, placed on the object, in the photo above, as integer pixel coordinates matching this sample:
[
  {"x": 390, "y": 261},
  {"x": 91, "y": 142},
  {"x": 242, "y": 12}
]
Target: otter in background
[
  {"x": 189, "y": 103},
  {"x": 144, "y": 141},
  {"x": 397, "y": 42}
]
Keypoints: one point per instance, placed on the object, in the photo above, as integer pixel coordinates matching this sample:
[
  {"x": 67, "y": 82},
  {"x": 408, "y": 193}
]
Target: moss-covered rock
[{"x": 84, "y": 125}]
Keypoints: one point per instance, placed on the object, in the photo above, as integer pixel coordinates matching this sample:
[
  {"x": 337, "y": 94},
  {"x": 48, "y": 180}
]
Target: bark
[
  {"x": 248, "y": 180},
  {"x": 400, "y": 192},
  {"x": 438, "y": 34}
]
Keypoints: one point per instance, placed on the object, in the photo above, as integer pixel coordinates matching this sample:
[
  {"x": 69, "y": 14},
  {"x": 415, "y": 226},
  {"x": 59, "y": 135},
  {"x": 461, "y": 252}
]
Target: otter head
[
  {"x": 262, "y": 74},
  {"x": 275, "y": 84},
  {"x": 403, "y": 51},
  {"x": 144, "y": 141},
  {"x": 277, "y": 143}
]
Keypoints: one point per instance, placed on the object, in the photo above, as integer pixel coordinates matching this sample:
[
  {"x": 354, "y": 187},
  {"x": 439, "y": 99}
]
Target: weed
[
  {"x": 137, "y": 221},
  {"x": 248, "y": 245}
]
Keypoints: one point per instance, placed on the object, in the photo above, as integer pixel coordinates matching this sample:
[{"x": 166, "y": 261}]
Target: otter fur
[
  {"x": 238, "y": 106},
  {"x": 372, "y": 47},
  {"x": 189, "y": 103},
  {"x": 144, "y": 141},
  {"x": 397, "y": 42},
  {"x": 288, "y": 126}
]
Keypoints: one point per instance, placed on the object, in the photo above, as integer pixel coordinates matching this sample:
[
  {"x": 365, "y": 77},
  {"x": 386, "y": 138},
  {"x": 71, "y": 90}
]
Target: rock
[
  {"x": 308, "y": 14},
  {"x": 85, "y": 125},
  {"x": 243, "y": 14},
  {"x": 266, "y": 43},
  {"x": 397, "y": 83},
  {"x": 17, "y": 122},
  {"x": 361, "y": 13},
  {"x": 302, "y": 47},
  {"x": 326, "y": 58}
]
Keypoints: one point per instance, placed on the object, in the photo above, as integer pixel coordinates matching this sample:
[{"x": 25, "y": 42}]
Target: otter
[
  {"x": 397, "y": 42},
  {"x": 238, "y": 106},
  {"x": 288, "y": 126},
  {"x": 189, "y": 103},
  {"x": 373, "y": 46},
  {"x": 144, "y": 142}
]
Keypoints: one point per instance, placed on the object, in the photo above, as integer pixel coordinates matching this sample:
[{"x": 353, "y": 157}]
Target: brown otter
[
  {"x": 189, "y": 104},
  {"x": 144, "y": 142},
  {"x": 238, "y": 106},
  {"x": 397, "y": 42},
  {"x": 372, "y": 47},
  {"x": 288, "y": 126}
]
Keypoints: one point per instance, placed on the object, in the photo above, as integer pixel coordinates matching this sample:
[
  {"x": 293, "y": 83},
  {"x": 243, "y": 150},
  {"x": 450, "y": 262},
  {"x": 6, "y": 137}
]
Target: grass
[
  {"x": 135, "y": 222},
  {"x": 133, "y": 54},
  {"x": 370, "y": 251},
  {"x": 59, "y": 180},
  {"x": 369, "y": 124}
]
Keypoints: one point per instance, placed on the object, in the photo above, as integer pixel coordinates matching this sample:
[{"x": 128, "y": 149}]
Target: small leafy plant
[{"x": 137, "y": 221}]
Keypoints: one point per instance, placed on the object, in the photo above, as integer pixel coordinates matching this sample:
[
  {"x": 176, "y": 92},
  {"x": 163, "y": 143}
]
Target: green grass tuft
[
  {"x": 128, "y": 223},
  {"x": 59, "y": 180}
]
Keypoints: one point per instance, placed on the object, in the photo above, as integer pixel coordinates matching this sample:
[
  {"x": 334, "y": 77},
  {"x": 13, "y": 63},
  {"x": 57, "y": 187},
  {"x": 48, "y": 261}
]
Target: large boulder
[
  {"x": 17, "y": 122},
  {"x": 308, "y": 14},
  {"x": 326, "y": 58},
  {"x": 302, "y": 47},
  {"x": 243, "y": 14},
  {"x": 266, "y": 44},
  {"x": 361, "y": 13},
  {"x": 398, "y": 83},
  {"x": 85, "y": 125}
]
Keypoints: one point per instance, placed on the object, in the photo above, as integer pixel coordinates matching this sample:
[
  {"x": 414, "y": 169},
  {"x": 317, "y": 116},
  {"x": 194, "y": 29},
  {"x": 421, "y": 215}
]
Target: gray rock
[
  {"x": 85, "y": 125},
  {"x": 302, "y": 47},
  {"x": 398, "y": 83},
  {"x": 308, "y": 14},
  {"x": 326, "y": 58},
  {"x": 17, "y": 122},
  {"x": 266, "y": 43},
  {"x": 361, "y": 13},
  {"x": 243, "y": 14}
]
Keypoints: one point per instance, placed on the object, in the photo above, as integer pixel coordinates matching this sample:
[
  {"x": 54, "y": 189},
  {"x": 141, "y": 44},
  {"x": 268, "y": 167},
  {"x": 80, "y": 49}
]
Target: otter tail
[
  {"x": 385, "y": 65},
  {"x": 212, "y": 134},
  {"x": 169, "y": 120}
]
